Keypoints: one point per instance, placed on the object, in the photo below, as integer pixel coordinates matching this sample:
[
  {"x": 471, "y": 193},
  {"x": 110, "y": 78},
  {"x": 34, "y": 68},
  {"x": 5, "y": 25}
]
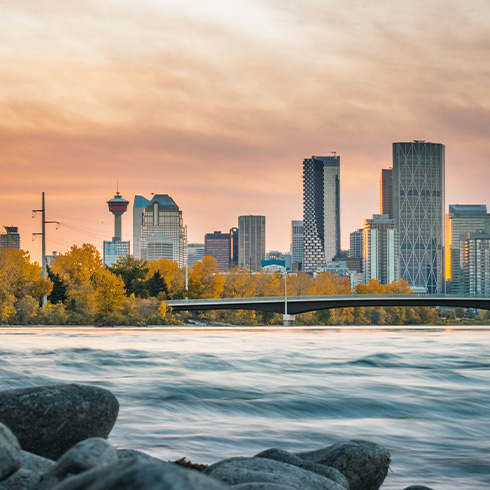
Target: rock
[
  {"x": 81, "y": 457},
  {"x": 20, "y": 480},
  {"x": 320, "y": 469},
  {"x": 33, "y": 467},
  {"x": 417, "y": 487},
  {"x": 10, "y": 455},
  {"x": 262, "y": 486},
  {"x": 35, "y": 463},
  {"x": 364, "y": 464},
  {"x": 49, "y": 420},
  {"x": 236, "y": 471},
  {"x": 130, "y": 456},
  {"x": 141, "y": 476}
]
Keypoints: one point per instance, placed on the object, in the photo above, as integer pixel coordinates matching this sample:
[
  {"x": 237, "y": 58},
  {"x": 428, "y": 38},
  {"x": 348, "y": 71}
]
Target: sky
[{"x": 217, "y": 103}]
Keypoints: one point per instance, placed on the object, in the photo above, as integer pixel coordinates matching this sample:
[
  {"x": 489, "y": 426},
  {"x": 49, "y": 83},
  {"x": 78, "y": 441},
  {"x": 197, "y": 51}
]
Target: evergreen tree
[
  {"x": 156, "y": 284},
  {"x": 58, "y": 293}
]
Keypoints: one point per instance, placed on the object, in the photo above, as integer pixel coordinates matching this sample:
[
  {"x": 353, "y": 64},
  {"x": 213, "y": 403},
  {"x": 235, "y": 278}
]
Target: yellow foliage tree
[
  {"x": 78, "y": 265},
  {"x": 109, "y": 292},
  {"x": 21, "y": 286},
  {"x": 173, "y": 276},
  {"x": 205, "y": 280}
]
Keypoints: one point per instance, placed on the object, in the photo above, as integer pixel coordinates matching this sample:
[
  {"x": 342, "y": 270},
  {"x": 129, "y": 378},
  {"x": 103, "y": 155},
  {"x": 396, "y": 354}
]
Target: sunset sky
[{"x": 216, "y": 103}]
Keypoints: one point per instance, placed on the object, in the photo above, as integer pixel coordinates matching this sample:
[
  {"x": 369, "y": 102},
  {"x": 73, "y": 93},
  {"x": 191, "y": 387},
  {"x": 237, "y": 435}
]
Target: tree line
[{"x": 81, "y": 290}]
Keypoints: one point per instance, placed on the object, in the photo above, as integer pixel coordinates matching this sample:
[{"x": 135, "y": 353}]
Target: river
[{"x": 212, "y": 393}]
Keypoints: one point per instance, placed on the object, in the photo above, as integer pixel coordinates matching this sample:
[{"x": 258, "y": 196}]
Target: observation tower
[{"x": 117, "y": 206}]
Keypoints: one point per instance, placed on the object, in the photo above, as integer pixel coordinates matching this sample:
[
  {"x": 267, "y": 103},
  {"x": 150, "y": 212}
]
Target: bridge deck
[{"x": 303, "y": 304}]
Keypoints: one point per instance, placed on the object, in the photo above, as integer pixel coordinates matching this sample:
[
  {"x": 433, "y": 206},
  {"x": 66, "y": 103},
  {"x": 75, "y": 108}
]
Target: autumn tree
[
  {"x": 205, "y": 280},
  {"x": 21, "y": 286},
  {"x": 170, "y": 272}
]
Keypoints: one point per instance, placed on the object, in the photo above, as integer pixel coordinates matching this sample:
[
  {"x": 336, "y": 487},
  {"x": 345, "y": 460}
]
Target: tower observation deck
[{"x": 117, "y": 206}]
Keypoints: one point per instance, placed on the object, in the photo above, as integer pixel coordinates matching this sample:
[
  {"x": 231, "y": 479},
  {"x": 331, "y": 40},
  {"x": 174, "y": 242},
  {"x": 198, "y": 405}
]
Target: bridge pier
[{"x": 288, "y": 320}]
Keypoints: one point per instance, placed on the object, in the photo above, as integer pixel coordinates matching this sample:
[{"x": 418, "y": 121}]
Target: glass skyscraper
[
  {"x": 251, "y": 242},
  {"x": 418, "y": 209},
  {"x": 321, "y": 211}
]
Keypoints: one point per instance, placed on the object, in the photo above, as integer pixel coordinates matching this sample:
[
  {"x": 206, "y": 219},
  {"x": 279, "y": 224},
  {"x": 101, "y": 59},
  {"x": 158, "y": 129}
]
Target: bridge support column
[{"x": 288, "y": 320}]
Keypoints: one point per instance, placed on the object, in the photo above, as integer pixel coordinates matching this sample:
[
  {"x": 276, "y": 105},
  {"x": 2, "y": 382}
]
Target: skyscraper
[
  {"x": 297, "y": 243},
  {"x": 116, "y": 247},
  {"x": 10, "y": 239},
  {"x": 218, "y": 245},
  {"x": 476, "y": 263},
  {"x": 386, "y": 192},
  {"x": 321, "y": 211},
  {"x": 461, "y": 220},
  {"x": 355, "y": 251},
  {"x": 139, "y": 207},
  {"x": 380, "y": 250},
  {"x": 251, "y": 242},
  {"x": 234, "y": 247},
  {"x": 162, "y": 219},
  {"x": 418, "y": 209}
]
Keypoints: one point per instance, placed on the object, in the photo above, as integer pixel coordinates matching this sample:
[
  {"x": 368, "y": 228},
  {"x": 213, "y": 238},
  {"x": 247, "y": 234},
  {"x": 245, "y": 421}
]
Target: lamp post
[{"x": 288, "y": 320}]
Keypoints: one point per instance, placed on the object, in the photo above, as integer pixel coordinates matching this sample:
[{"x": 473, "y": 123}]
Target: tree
[
  {"x": 78, "y": 265},
  {"x": 58, "y": 293},
  {"x": 109, "y": 292},
  {"x": 173, "y": 276},
  {"x": 156, "y": 285},
  {"x": 133, "y": 272},
  {"x": 21, "y": 286},
  {"x": 204, "y": 279}
]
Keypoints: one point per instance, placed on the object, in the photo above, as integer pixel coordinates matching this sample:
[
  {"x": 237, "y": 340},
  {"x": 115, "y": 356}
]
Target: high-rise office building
[
  {"x": 163, "y": 218},
  {"x": 380, "y": 250},
  {"x": 139, "y": 207},
  {"x": 218, "y": 245},
  {"x": 251, "y": 242},
  {"x": 234, "y": 247},
  {"x": 321, "y": 211},
  {"x": 11, "y": 238},
  {"x": 297, "y": 243},
  {"x": 476, "y": 263},
  {"x": 461, "y": 220},
  {"x": 418, "y": 209},
  {"x": 116, "y": 247},
  {"x": 195, "y": 253},
  {"x": 355, "y": 251},
  {"x": 386, "y": 192}
]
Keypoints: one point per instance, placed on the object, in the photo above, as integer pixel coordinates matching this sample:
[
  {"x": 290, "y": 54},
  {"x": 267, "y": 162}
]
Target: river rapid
[{"x": 214, "y": 393}]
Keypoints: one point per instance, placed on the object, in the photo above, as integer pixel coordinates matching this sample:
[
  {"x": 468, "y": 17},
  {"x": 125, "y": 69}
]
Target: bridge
[{"x": 293, "y": 305}]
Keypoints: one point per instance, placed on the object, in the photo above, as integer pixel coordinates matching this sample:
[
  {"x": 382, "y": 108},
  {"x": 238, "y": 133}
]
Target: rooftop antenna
[{"x": 334, "y": 153}]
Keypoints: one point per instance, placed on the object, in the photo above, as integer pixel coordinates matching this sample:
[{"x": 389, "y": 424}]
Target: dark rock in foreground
[
  {"x": 320, "y": 469},
  {"x": 33, "y": 467},
  {"x": 417, "y": 487},
  {"x": 365, "y": 464},
  {"x": 10, "y": 455},
  {"x": 141, "y": 476},
  {"x": 237, "y": 471},
  {"x": 84, "y": 456},
  {"x": 49, "y": 420}
]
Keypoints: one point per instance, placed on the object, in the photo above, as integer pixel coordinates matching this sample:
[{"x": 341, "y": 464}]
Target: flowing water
[{"x": 209, "y": 393}]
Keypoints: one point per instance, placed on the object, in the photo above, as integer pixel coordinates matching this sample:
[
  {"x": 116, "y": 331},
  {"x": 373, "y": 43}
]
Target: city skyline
[{"x": 217, "y": 105}]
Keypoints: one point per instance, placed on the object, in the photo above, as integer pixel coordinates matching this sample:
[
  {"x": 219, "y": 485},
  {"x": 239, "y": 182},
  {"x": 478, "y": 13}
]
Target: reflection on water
[{"x": 209, "y": 393}]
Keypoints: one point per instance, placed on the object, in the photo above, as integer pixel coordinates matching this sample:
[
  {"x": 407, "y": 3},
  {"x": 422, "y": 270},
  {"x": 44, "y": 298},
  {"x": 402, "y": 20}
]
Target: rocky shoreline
[{"x": 54, "y": 438}]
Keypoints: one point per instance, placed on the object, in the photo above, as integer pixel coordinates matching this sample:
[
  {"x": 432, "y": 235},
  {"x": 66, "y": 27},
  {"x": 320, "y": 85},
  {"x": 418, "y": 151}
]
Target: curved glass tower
[{"x": 418, "y": 209}]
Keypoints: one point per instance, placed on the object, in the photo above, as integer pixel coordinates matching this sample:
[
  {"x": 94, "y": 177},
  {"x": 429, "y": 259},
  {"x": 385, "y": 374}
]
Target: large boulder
[
  {"x": 237, "y": 471},
  {"x": 10, "y": 455},
  {"x": 417, "y": 487},
  {"x": 141, "y": 476},
  {"x": 130, "y": 456},
  {"x": 49, "y": 420},
  {"x": 365, "y": 464},
  {"x": 285, "y": 457},
  {"x": 81, "y": 457}
]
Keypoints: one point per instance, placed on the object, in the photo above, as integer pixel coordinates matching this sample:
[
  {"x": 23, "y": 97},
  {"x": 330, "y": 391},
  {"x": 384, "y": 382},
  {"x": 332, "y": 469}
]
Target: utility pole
[
  {"x": 43, "y": 239},
  {"x": 186, "y": 268}
]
